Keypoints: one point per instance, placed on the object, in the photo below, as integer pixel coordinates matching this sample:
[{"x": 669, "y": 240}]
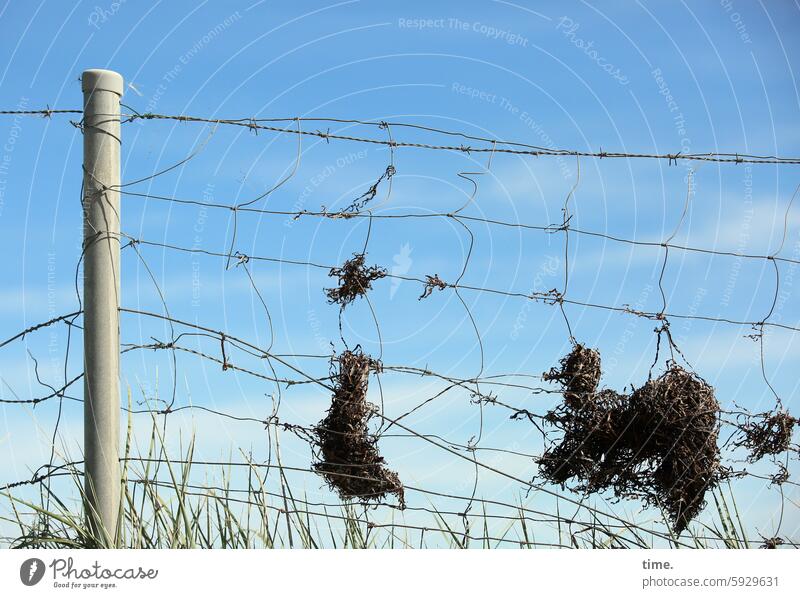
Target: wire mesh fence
[{"x": 355, "y": 438}]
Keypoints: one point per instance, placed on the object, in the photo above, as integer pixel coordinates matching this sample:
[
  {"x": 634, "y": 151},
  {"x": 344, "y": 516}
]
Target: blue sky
[{"x": 629, "y": 77}]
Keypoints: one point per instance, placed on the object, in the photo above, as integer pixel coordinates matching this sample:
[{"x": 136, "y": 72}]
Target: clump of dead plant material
[
  {"x": 658, "y": 444},
  {"x": 350, "y": 460},
  {"x": 355, "y": 279},
  {"x": 432, "y": 283},
  {"x": 768, "y": 433},
  {"x": 781, "y": 476},
  {"x": 772, "y": 543},
  {"x": 578, "y": 374}
]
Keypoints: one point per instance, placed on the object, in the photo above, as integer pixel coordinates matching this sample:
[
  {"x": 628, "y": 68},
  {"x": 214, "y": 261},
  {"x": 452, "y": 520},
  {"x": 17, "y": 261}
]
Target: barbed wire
[
  {"x": 547, "y": 297},
  {"x": 45, "y": 112},
  {"x": 256, "y": 124},
  {"x": 746, "y": 430}
]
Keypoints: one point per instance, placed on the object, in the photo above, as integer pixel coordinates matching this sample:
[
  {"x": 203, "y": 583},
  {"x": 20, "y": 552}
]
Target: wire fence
[{"x": 668, "y": 444}]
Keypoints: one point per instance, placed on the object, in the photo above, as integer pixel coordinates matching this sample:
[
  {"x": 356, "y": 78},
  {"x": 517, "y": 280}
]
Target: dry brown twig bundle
[
  {"x": 767, "y": 433},
  {"x": 658, "y": 443},
  {"x": 355, "y": 279},
  {"x": 350, "y": 460}
]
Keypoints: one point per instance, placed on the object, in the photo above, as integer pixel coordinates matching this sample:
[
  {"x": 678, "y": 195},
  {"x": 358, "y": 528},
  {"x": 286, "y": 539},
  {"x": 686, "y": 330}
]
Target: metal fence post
[{"x": 102, "y": 91}]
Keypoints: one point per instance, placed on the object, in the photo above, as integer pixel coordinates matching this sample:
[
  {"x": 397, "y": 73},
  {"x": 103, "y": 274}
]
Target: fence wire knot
[
  {"x": 432, "y": 283},
  {"x": 551, "y": 297}
]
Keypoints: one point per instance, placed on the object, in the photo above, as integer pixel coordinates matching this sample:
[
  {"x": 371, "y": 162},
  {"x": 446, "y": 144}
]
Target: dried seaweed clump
[
  {"x": 679, "y": 417},
  {"x": 351, "y": 463},
  {"x": 355, "y": 279},
  {"x": 579, "y": 374},
  {"x": 771, "y": 435},
  {"x": 772, "y": 543},
  {"x": 658, "y": 443}
]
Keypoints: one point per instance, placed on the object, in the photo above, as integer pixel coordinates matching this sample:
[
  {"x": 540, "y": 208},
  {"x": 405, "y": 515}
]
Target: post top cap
[{"x": 101, "y": 79}]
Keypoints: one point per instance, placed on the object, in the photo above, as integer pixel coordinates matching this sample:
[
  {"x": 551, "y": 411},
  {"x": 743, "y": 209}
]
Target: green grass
[
  {"x": 164, "y": 506},
  {"x": 177, "y": 514}
]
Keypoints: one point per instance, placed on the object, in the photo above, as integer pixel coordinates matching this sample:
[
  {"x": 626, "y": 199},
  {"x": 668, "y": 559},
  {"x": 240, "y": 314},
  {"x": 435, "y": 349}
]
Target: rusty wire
[{"x": 639, "y": 444}]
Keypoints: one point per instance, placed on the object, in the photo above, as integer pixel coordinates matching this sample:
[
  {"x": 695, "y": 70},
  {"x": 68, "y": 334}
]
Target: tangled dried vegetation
[
  {"x": 658, "y": 443},
  {"x": 432, "y": 283},
  {"x": 350, "y": 460},
  {"x": 355, "y": 279},
  {"x": 578, "y": 374},
  {"x": 773, "y": 543},
  {"x": 768, "y": 433}
]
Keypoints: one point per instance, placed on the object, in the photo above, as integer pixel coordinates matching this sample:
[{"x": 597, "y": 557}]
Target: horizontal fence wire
[
  {"x": 586, "y": 515},
  {"x": 522, "y": 149}
]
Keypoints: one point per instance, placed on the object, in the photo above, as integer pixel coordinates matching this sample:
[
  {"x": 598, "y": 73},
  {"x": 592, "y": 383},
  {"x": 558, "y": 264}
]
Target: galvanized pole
[{"x": 102, "y": 91}]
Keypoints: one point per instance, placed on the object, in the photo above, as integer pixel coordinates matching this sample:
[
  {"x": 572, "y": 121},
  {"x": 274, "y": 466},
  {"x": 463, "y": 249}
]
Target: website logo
[{"x": 31, "y": 571}]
